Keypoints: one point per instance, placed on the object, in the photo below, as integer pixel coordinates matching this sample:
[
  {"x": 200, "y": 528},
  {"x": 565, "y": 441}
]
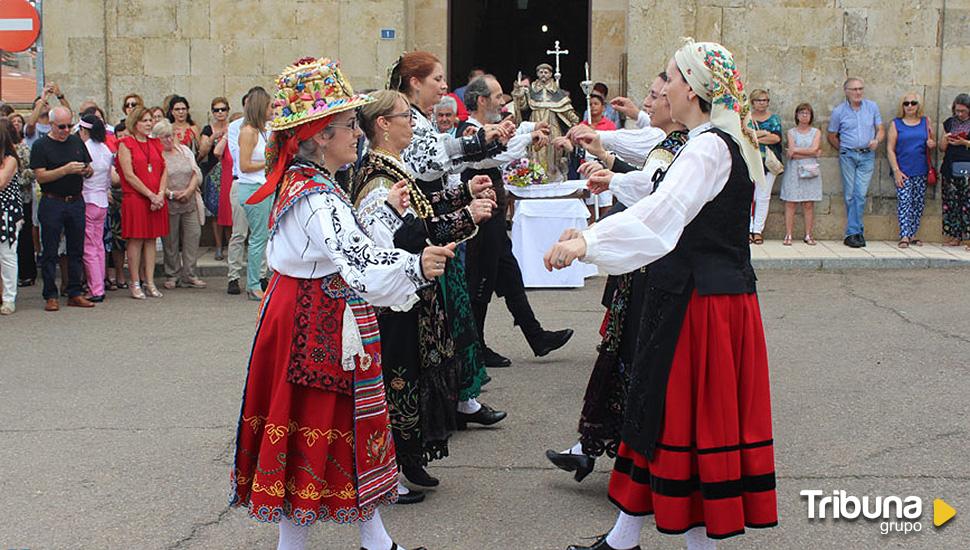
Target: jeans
[
  {"x": 185, "y": 232},
  {"x": 856, "y": 168},
  {"x": 762, "y": 198},
  {"x": 237, "y": 241},
  {"x": 58, "y": 217},
  {"x": 94, "y": 217},
  {"x": 257, "y": 215},
  {"x": 8, "y": 270}
]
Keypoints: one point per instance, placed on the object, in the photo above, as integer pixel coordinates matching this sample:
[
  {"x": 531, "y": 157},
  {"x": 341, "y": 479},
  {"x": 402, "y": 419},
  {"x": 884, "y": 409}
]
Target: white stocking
[
  {"x": 576, "y": 449},
  {"x": 373, "y": 536},
  {"x": 697, "y": 539},
  {"x": 292, "y": 537},
  {"x": 625, "y": 533},
  {"x": 469, "y": 407}
]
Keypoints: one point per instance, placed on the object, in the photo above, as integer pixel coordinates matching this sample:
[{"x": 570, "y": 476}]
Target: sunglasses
[
  {"x": 409, "y": 115},
  {"x": 352, "y": 125},
  {"x": 220, "y": 109},
  {"x": 910, "y": 103},
  {"x": 62, "y": 126},
  {"x": 130, "y": 105}
]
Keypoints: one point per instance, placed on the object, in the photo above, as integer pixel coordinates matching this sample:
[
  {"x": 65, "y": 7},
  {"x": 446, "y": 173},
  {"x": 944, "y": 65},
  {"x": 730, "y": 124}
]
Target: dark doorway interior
[{"x": 506, "y": 36}]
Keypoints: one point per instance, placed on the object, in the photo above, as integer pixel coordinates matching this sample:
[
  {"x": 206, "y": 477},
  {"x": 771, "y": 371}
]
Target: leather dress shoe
[
  {"x": 855, "y": 241},
  {"x": 413, "y": 497},
  {"x": 486, "y": 416},
  {"x": 394, "y": 546},
  {"x": 551, "y": 340},
  {"x": 581, "y": 464},
  {"x": 600, "y": 544},
  {"x": 233, "y": 287},
  {"x": 52, "y": 305},
  {"x": 79, "y": 301},
  {"x": 419, "y": 476},
  {"x": 495, "y": 360}
]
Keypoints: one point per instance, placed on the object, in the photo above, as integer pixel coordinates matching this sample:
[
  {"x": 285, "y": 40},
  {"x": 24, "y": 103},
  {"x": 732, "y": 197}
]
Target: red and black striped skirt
[{"x": 714, "y": 460}]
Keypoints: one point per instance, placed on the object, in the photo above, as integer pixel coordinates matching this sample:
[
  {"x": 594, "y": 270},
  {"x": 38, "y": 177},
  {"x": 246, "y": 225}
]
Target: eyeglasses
[
  {"x": 856, "y": 89},
  {"x": 352, "y": 125},
  {"x": 409, "y": 114},
  {"x": 910, "y": 103},
  {"x": 220, "y": 109},
  {"x": 130, "y": 105},
  {"x": 62, "y": 126}
]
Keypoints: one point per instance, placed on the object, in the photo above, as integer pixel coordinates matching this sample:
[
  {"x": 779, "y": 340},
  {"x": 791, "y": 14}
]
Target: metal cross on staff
[{"x": 557, "y": 52}]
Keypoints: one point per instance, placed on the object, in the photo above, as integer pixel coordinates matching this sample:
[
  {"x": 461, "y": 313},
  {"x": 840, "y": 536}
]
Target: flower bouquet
[{"x": 524, "y": 172}]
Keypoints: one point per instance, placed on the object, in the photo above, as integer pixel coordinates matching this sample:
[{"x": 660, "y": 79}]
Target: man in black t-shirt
[{"x": 60, "y": 162}]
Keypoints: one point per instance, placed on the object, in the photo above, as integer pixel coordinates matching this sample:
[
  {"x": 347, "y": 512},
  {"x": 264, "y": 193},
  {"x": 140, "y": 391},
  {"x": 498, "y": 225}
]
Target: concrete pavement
[{"x": 118, "y": 422}]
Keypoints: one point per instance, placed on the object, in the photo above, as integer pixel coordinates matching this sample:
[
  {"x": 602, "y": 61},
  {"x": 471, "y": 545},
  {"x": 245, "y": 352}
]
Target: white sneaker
[{"x": 7, "y": 308}]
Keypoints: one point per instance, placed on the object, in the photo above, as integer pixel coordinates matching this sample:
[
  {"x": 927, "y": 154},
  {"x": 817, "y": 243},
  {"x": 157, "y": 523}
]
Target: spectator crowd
[{"x": 91, "y": 200}]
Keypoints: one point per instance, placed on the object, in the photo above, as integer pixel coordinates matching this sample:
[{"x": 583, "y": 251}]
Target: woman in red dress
[
  {"x": 144, "y": 211},
  {"x": 697, "y": 451}
]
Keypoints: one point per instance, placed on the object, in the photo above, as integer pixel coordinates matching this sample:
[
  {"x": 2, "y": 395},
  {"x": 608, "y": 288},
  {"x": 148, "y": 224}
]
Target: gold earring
[{"x": 387, "y": 136}]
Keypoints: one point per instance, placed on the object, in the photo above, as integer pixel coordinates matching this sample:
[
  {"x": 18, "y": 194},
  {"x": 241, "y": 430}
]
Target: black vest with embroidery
[
  {"x": 498, "y": 184},
  {"x": 713, "y": 253}
]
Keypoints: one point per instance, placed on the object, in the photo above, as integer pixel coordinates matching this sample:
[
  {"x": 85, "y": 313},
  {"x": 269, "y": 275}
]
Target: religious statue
[{"x": 545, "y": 101}]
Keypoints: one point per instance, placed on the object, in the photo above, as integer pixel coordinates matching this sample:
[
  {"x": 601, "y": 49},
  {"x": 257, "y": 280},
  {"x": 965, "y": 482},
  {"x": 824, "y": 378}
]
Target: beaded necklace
[{"x": 420, "y": 202}]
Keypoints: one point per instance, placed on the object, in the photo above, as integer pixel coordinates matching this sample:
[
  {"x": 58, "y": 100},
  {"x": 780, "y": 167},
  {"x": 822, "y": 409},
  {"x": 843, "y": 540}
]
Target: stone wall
[
  {"x": 104, "y": 49},
  {"x": 802, "y": 50}
]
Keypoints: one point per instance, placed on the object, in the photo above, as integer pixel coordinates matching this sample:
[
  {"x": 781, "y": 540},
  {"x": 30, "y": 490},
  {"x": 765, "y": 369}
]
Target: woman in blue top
[
  {"x": 767, "y": 127},
  {"x": 910, "y": 134}
]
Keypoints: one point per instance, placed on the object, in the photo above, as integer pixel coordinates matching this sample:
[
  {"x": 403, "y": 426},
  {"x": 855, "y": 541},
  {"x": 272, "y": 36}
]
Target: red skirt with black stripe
[{"x": 714, "y": 460}]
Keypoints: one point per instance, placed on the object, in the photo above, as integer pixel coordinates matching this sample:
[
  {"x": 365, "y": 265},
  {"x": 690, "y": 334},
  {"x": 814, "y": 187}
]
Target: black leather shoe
[
  {"x": 581, "y": 464},
  {"x": 495, "y": 360},
  {"x": 854, "y": 241},
  {"x": 263, "y": 284},
  {"x": 394, "y": 546},
  {"x": 233, "y": 287},
  {"x": 419, "y": 476},
  {"x": 413, "y": 497},
  {"x": 600, "y": 544},
  {"x": 486, "y": 416},
  {"x": 551, "y": 341},
  {"x": 861, "y": 240}
]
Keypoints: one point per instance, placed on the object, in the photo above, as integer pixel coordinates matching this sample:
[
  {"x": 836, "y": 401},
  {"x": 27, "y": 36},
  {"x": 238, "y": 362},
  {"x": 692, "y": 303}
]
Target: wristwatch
[{"x": 171, "y": 195}]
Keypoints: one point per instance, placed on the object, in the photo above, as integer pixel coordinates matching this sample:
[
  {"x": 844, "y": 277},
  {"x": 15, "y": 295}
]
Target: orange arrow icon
[{"x": 942, "y": 512}]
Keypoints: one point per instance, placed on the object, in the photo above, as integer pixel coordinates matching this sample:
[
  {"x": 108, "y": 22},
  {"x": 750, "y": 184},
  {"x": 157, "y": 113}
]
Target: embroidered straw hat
[{"x": 312, "y": 89}]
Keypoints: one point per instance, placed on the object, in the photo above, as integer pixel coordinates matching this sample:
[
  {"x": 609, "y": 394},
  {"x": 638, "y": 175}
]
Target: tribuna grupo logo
[{"x": 895, "y": 514}]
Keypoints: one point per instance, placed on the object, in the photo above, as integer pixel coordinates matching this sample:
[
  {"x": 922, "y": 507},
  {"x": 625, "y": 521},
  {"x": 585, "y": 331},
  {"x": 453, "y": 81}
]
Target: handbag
[
  {"x": 772, "y": 163},
  {"x": 808, "y": 169},
  {"x": 931, "y": 175}
]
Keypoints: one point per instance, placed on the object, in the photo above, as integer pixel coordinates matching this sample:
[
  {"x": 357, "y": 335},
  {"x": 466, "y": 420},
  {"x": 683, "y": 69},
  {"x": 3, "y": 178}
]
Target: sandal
[
  {"x": 110, "y": 284},
  {"x": 787, "y": 241},
  {"x": 136, "y": 291},
  {"x": 916, "y": 242},
  {"x": 952, "y": 242},
  {"x": 152, "y": 290},
  {"x": 809, "y": 240},
  {"x": 903, "y": 243},
  {"x": 757, "y": 238},
  {"x": 123, "y": 285}
]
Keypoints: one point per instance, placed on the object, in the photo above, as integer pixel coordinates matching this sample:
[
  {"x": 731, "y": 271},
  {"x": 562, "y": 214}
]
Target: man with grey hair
[
  {"x": 60, "y": 162},
  {"x": 855, "y": 131},
  {"x": 446, "y": 115},
  {"x": 492, "y": 268}
]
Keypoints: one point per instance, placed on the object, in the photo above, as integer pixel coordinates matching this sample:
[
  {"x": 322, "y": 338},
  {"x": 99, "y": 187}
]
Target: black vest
[
  {"x": 714, "y": 252},
  {"x": 498, "y": 184}
]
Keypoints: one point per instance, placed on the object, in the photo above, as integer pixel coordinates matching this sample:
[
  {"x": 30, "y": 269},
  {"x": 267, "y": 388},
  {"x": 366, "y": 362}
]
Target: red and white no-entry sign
[{"x": 19, "y": 25}]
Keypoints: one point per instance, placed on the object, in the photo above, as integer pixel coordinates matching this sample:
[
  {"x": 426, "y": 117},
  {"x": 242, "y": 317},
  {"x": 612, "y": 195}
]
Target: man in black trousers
[{"x": 491, "y": 267}]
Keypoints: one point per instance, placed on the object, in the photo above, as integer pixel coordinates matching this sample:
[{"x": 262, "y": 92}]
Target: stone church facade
[{"x": 800, "y": 50}]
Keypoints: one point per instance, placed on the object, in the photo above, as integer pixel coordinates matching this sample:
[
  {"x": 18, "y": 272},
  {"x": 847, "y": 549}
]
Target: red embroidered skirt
[
  {"x": 714, "y": 460},
  {"x": 295, "y": 444}
]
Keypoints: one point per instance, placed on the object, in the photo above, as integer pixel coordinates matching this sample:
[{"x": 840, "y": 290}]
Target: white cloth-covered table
[
  {"x": 548, "y": 190},
  {"x": 536, "y": 226}
]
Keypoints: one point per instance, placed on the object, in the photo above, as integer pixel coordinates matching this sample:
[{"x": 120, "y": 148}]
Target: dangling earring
[{"x": 387, "y": 136}]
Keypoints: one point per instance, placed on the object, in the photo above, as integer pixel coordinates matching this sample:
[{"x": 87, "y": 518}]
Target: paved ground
[{"x": 118, "y": 422}]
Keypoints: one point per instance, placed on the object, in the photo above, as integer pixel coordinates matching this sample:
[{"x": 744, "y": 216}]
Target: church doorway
[{"x": 504, "y": 37}]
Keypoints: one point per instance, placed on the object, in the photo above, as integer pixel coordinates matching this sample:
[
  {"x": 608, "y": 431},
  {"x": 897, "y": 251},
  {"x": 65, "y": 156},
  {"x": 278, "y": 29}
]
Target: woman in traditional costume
[
  {"x": 696, "y": 449},
  {"x": 422, "y": 389},
  {"x": 431, "y": 157},
  {"x": 314, "y": 439},
  {"x": 606, "y": 392}
]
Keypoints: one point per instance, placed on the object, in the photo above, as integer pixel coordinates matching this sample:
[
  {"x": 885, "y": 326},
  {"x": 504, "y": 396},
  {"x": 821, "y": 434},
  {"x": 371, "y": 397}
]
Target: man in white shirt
[{"x": 240, "y": 226}]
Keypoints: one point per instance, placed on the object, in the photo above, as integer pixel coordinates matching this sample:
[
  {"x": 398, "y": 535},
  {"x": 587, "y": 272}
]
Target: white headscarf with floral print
[{"x": 710, "y": 70}]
